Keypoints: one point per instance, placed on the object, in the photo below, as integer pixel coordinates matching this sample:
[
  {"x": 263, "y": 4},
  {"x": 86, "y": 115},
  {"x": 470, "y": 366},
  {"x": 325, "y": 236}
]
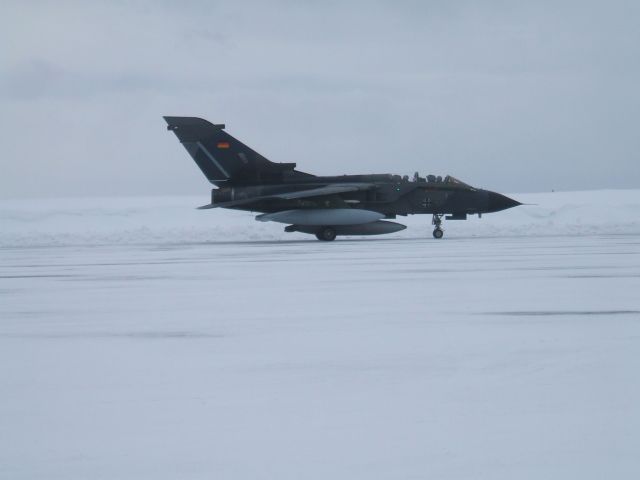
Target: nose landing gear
[{"x": 437, "y": 222}]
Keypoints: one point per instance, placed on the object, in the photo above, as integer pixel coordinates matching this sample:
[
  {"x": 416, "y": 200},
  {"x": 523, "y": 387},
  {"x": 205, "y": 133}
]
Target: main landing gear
[
  {"x": 437, "y": 222},
  {"x": 326, "y": 234}
]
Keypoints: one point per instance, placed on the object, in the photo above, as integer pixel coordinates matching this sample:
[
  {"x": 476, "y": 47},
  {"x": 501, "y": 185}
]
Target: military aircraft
[{"x": 325, "y": 206}]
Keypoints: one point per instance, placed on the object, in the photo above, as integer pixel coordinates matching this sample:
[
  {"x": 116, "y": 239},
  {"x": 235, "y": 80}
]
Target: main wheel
[
  {"x": 326, "y": 234},
  {"x": 438, "y": 233}
]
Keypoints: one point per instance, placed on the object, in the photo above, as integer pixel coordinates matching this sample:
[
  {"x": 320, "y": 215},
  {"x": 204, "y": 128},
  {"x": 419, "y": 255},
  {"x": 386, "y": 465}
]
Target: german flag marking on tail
[{"x": 223, "y": 144}]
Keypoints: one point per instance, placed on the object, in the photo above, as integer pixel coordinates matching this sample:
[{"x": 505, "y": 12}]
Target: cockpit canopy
[{"x": 438, "y": 179}]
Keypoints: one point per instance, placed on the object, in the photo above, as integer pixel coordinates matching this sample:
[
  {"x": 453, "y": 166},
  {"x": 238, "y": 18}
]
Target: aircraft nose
[{"x": 497, "y": 202}]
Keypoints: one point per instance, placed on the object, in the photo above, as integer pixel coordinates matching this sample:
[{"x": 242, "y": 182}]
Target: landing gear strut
[
  {"x": 326, "y": 234},
  {"x": 437, "y": 221}
]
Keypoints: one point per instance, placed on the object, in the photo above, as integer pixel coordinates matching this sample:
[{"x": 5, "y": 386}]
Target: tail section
[{"x": 222, "y": 158}]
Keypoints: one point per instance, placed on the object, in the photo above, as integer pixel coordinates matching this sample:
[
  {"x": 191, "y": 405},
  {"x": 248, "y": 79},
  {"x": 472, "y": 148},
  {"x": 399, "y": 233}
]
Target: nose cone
[{"x": 497, "y": 202}]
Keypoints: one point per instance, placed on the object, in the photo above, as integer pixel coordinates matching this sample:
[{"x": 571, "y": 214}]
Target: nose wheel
[{"x": 437, "y": 222}]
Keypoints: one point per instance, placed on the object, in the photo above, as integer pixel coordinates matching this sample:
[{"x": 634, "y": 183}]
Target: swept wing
[{"x": 314, "y": 192}]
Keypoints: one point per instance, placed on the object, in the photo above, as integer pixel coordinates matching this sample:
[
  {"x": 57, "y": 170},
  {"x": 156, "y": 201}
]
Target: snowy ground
[{"x": 142, "y": 339}]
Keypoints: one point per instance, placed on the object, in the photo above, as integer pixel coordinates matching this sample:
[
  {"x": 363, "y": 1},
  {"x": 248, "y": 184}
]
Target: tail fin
[{"x": 221, "y": 157}]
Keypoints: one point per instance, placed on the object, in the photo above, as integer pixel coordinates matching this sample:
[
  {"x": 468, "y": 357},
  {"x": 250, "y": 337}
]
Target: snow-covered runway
[{"x": 485, "y": 356}]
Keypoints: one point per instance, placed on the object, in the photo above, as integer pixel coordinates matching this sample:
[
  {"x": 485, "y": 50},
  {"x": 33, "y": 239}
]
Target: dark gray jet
[{"x": 323, "y": 206}]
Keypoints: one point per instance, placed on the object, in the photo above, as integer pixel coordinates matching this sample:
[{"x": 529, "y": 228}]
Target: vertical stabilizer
[{"x": 221, "y": 157}]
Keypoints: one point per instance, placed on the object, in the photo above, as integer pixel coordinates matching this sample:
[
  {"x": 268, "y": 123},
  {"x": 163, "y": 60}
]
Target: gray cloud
[{"x": 508, "y": 96}]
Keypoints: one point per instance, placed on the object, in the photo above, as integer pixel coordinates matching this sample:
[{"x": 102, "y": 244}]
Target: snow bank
[{"x": 171, "y": 220}]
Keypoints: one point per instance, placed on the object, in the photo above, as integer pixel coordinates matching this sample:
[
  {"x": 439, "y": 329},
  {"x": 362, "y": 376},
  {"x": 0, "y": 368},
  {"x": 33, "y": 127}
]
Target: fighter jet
[{"x": 325, "y": 206}]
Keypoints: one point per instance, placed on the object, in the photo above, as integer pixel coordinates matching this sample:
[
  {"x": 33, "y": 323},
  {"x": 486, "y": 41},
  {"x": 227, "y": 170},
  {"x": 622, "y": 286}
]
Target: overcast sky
[{"x": 512, "y": 96}]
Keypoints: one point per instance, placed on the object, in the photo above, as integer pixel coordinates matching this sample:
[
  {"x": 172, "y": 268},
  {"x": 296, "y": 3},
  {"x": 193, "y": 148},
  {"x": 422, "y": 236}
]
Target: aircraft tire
[
  {"x": 438, "y": 233},
  {"x": 326, "y": 234}
]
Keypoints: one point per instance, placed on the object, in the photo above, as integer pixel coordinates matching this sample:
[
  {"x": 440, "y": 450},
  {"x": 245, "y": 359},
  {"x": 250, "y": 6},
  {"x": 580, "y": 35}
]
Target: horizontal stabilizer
[{"x": 233, "y": 203}]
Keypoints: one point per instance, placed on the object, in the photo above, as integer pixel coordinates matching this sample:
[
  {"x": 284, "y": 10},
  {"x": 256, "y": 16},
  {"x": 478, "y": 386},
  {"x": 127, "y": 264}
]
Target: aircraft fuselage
[{"x": 390, "y": 194}]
